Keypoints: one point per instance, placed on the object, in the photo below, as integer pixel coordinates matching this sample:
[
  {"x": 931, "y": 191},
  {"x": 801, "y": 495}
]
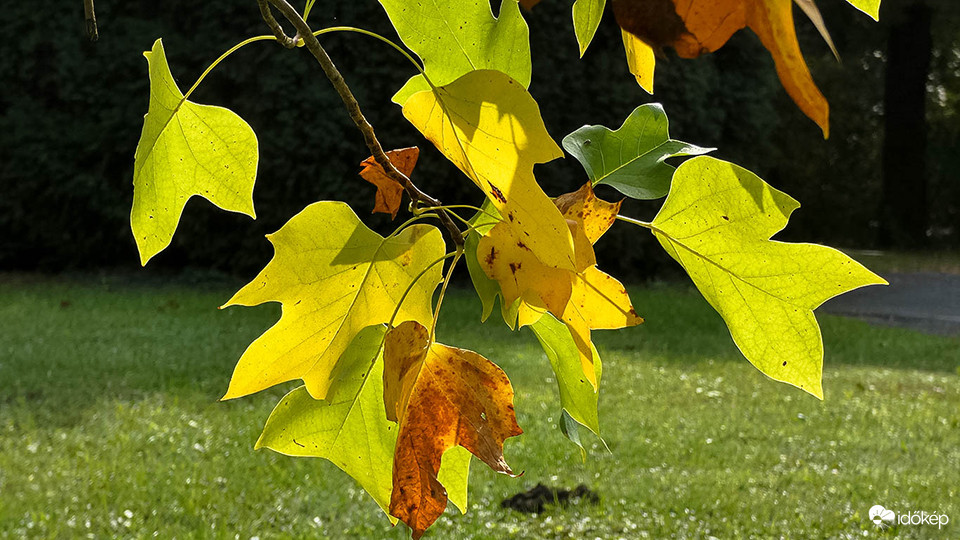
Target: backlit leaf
[
  {"x": 389, "y": 192},
  {"x": 870, "y": 7},
  {"x": 350, "y": 428},
  {"x": 584, "y": 300},
  {"x": 694, "y": 27},
  {"x": 586, "y": 19},
  {"x": 489, "y": 126},
  {"x": 577, "y": 396},
  {"x": 717, "y": 222},
  {"x": 334, "y": 277},
  {"x": 632, "y": 159},
  {"x": 640, "y": 60},
  {"x": 186, "y": 149},
  {"x": 442, "y": 397},
  {"x": 454, "y": 37}
]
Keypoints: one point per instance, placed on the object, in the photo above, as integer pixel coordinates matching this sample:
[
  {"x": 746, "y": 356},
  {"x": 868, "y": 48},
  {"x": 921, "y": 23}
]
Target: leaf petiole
[
  {"x": 443, "y": 291},
  {"x": 396, "y": 310},
  {"x": 638, "y": 223}
]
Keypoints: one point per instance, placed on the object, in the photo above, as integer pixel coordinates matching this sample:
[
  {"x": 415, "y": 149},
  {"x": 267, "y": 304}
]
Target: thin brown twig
[
  {"x": 353, "y": 107},
  {"x": 282, "y": 37}
]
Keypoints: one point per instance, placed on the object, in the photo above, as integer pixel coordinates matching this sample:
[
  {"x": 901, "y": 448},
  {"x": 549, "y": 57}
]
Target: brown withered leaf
[
  {"x": 389, "y": 193},
  {"x": 585, "y": 300},
  {"x": 695, "y": 27},
  {"x": 528, "y": 4},
  {"x": 442, "y": 397}
]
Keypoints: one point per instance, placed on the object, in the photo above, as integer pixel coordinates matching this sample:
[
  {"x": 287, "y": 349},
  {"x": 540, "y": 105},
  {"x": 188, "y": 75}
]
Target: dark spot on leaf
[
  {"x": 521, "y": 245},
  {"x": 492, "y": 256},
  {"x": 497, "y": 194},
  {"x": 514, "y": 267},
  {"x": 784, "y": 363},
  {"x": 725, "y": 218}
]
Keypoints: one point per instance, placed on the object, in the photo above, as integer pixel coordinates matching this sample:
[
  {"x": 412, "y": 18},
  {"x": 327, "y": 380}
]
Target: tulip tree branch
[{"x": 353, "y": 107}]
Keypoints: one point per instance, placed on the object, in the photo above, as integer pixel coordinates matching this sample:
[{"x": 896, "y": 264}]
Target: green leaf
[
  {"x": 455, "y": 37},
  {"x": 870, "y": 7},
  {"x": 586, "y": 20},
  {"x": 632, "y": 158},
  {"x": 186, "y": 149},
  {"x": 334, "y": 277},
  {"x": 717, "y": 222},
  {"x": 577, "y": 396},
  {"x": 350, "y": 428}
]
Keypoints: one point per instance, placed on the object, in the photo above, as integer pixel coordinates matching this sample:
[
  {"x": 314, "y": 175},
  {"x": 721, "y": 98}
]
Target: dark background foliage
[{"x": 71, "y": 113}]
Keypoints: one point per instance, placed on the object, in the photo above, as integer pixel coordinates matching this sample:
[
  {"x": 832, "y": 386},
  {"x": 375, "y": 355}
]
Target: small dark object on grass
[{"x": 534, "y": 500}]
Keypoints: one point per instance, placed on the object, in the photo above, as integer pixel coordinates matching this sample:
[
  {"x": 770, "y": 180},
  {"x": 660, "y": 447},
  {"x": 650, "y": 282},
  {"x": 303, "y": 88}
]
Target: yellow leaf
[
  {"x": 442, "y": 397},
  {"x": 489, "y": 126},
  {"x": 584, "y": 300},
  {"x": 640, "y": 60},
  {"x": 334, "y": 277},
  {"x": 717, "y": 222}
]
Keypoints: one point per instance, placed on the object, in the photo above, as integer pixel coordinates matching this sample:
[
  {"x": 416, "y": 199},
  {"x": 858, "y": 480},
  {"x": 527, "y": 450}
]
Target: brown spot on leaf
[{"x": 497, "y": 194}]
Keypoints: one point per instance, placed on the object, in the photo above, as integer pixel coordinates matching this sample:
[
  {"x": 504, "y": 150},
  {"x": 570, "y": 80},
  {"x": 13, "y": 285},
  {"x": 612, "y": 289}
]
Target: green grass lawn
[{"x": 110, "y": 426}]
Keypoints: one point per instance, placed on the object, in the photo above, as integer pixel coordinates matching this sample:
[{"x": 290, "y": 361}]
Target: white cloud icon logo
[{"x": 881, "y": 517}]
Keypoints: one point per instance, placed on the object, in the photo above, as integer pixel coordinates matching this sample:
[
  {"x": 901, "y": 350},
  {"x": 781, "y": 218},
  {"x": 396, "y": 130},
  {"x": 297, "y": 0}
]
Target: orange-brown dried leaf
[
  {"x": 695, "y": 27},
  {"x": 443, "y": 397},
  {"x": 528, "y": 4},
  {"x": 389, "y": 192}
]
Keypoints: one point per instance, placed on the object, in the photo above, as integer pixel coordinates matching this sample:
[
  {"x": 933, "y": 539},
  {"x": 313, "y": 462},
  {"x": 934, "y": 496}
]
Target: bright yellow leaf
[
  {"x": 334, "y": 277},
  {"x": 640, "y": 60},
  {"x": 489, "y": 126}
]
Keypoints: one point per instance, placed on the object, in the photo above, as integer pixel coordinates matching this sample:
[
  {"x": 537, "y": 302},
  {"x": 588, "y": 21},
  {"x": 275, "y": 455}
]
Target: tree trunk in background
[{"x": 903, "y": 212}]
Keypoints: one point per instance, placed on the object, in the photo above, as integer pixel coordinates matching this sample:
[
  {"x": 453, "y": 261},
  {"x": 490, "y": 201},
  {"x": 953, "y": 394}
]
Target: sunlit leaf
[
  {"x": 870, "y": 7},
  {"x": 442, "y": 397},
  {"x": 186, "y": 149},
  {"x": 489, "y": 126},
  {"x": 632, "y": 159},
  {"x": 350, "y": 429},
  {"x": 717, "y": 222},
  {"x": 334, "y": 277},
  {"x": 454, "y": 37},
  {"x": 584, "y": 300},
  {"x": 640, "y": 60},
  {"x": 577, "y": 396},
  {"x": 586, "y": 20}
]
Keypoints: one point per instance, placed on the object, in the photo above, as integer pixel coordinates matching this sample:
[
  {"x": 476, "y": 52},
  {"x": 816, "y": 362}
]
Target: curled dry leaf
[
  {"x": 442, "y": 397},
  {"x": 389, "y": 191}
]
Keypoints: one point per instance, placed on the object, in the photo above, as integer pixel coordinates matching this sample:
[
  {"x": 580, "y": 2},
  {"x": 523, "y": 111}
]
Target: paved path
[{"x": 927, "y": 302}]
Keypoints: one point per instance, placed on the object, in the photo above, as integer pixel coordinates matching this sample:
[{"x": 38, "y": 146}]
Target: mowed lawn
[{"x": 110, "y": 427}]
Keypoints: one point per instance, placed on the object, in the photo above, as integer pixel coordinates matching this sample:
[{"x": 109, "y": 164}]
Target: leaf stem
[
  {"x": 353, "y": 107},
  {"x": 443, "y": 291},
  {"x": 638, "y": 223},
  {"x": 223, "y": 57},
  {"x": 396, "y": 310},
  {"x": 373, "y": 35}
]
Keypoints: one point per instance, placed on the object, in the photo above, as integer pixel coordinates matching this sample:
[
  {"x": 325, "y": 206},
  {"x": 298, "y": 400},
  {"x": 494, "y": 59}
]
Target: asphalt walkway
[{"x": 928, "y": 302}]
